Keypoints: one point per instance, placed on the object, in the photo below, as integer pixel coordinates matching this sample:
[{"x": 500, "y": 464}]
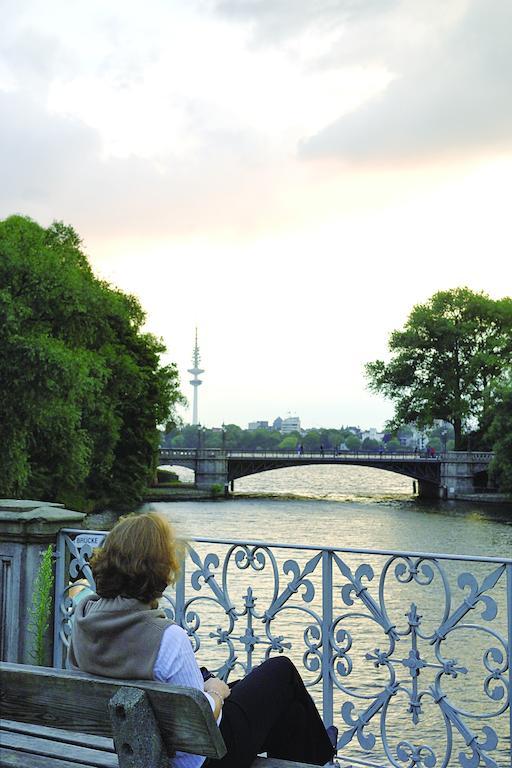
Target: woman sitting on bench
[{"x": 120, "y": 632}]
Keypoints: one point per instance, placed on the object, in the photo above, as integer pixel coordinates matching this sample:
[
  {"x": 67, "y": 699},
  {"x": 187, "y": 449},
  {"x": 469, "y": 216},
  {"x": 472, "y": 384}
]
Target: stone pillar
[
  {"x": 456, "y": 475},
  {"x": 211, "y": 469},
  {"x": 26, "y": 529}
]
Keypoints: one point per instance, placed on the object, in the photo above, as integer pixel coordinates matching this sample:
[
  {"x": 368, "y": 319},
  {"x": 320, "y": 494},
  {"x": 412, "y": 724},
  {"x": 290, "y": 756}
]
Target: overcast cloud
[
  {"x": 77, "y": 117},
  {"x": 451, "y": 67},
  {"x": 269, "y": 161},
  {"x": 455, "y": 96}
]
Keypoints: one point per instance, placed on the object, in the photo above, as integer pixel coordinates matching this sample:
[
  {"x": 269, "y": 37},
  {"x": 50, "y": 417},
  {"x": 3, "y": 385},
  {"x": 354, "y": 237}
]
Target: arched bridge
[{"x": 446, "y": 475}]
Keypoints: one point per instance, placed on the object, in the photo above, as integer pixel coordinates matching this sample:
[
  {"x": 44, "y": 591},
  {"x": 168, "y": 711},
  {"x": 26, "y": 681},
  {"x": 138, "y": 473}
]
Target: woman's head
[{"x": 139, "y": 558}]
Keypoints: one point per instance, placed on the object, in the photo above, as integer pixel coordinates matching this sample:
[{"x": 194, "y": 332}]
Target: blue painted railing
[{"x": 408, "y": 653}]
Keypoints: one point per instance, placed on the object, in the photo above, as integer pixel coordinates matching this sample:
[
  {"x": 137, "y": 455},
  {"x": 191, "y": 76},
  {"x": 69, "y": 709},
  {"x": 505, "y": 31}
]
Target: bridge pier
[
  {"x": 211, "y": 469},
  {"x": 458, "y": 472}
]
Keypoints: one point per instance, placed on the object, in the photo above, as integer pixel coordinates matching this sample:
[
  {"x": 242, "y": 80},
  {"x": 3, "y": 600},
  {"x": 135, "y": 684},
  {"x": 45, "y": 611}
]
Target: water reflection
[{"x": 370, "y": 509}]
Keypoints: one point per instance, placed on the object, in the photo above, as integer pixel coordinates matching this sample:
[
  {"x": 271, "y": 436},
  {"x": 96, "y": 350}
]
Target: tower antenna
[{"x": 196, "y": 381}]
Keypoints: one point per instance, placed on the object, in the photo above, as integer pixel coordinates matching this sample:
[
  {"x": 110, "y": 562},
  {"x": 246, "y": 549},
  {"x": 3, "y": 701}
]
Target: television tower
[{"x": 195, "y": 371}]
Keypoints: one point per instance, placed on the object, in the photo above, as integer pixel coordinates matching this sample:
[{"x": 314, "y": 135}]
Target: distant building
[
  {"x": 258, "y": 425},
  {"x": 290, "y": 424},
  {"x": 372, "y": 434},
  {"x": 277, "y": 424}
]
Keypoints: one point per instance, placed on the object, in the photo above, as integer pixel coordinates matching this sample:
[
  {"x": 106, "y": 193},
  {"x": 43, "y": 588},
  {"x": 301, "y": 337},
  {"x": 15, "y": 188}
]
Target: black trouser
[{"x": 271, "y": 711}]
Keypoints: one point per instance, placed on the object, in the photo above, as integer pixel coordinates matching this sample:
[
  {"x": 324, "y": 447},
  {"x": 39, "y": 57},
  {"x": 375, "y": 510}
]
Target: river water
[{"x": 363, "y": 508}]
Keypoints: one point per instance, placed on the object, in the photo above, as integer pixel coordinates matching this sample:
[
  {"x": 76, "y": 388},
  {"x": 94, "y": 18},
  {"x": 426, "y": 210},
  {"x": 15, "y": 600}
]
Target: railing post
[
  {"x": 60, "y": 583},
  {"x": 180, "y": 596},
  {"x": 509, "y": 648},
  {"x": 327, "y": 692}
]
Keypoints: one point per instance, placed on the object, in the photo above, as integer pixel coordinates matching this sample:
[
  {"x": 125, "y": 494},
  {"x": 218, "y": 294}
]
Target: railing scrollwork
[{"x": 409, "y": 653}]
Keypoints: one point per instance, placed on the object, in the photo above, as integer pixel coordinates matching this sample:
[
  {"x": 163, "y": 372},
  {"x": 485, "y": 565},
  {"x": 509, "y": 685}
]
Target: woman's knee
[{"x": 281, "y": 665}]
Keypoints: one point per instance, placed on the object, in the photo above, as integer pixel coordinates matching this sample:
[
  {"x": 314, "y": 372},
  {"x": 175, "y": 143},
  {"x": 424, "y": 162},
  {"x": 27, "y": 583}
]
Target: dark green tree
[
  {"x": 369, "y": 444},
  {"x": 311, "y": 440},
  {"x": 213, "y": 439},
  {"x": 353, "y": 442},
  {"x": 81, "y": 386},
  {"x": 500, "y": 434},
  {"x": 289, "y": 443},
  {"x": 233, "y": 436},
  {"x": 443, "y": 360},
  {"x": 393, "y": 445}
]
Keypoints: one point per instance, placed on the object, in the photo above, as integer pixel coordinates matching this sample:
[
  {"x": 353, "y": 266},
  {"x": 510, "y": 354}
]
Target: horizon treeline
[{"x": 344, "y": 438}]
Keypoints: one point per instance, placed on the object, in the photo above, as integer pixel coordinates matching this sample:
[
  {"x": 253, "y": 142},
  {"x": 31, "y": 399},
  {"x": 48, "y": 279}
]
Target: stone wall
[{"x": 26, "y": 529}]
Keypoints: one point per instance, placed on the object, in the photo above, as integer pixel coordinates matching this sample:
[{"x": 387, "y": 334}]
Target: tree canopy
[
  {"x": 82, "y": 388},
  {"x": 499, "y": 432},
  {"x": 451, "y": 349},
  {"x": 236, "y": 438}
]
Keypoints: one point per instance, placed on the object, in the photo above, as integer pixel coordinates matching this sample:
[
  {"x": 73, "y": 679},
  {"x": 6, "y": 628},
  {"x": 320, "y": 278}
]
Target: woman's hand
[
  {"x": 219, "y": 690},
  {"x": 214, "y": 685}
]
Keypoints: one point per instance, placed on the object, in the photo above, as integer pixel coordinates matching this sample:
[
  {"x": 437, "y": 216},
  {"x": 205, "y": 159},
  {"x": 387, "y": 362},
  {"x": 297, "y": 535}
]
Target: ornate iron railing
[{"x": 407, "y": 652}]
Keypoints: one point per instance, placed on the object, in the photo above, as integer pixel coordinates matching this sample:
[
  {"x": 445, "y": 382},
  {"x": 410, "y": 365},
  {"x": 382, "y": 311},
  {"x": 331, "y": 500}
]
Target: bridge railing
[
  {"x": 464, "y": 456},
  {"x": 192, "y": 452},
  {"x": 333, "y": 453},
  {"x": 285, "y": 454},
  {"x": 407, "y": 652}
]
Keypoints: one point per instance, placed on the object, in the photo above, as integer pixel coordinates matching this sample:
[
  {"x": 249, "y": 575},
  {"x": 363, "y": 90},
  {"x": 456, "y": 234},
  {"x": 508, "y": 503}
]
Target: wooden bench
[{"x": 53, "y": 718}]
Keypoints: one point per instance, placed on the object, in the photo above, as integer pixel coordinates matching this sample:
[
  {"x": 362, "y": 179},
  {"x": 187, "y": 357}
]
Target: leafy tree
[
  {"x": 443, "y": 431},
  {"x": 265, "y": 440},
  {"x": 334, "y": 438},
  {"x": 500, "y": 433},
  {"x": 288, "y": 443},
  {"x": 190, "y": 437},
  {"x": 178, "y": 441},
  {"x": 311, "y": 441},
  {"x": 393, "y": 445},
  {"x": 213, "y": 439},
  {"x": 449, "y": 351},
  {"x": 82, "y": 389},
  {"x": 353, "y": 442},
  {"x": 369, "y": 444},
  {"x": 233, "y": 435}
]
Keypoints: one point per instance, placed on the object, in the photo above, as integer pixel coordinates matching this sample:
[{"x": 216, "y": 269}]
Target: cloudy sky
[{"x": 291, "y": 176}]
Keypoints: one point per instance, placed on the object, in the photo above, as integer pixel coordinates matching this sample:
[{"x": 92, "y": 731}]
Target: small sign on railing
[{"x": 89, "y": 539}]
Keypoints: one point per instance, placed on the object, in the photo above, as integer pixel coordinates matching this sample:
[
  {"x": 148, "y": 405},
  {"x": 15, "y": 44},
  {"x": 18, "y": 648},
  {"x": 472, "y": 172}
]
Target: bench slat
[
  {"x": 35, "y": 745},
  {"x": 57, "y": 734},
  {"x": 11, "y": 758},
  {"x": 77, "y": 702}
]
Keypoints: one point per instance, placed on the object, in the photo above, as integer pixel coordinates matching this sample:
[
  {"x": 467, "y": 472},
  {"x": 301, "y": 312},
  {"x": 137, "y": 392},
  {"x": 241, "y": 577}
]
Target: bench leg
[{"x": 135, "y": 731}]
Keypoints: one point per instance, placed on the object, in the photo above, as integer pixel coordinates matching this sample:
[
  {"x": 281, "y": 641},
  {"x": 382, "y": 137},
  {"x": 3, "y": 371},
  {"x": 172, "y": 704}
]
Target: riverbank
[
  {"x": 189, "y": 492},
  {"x": 486, "y": 498},
  {"x": 181, "y": 492}
]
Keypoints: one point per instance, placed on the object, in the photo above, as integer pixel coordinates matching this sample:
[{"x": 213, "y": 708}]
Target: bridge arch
[
  {"x": 447, "y": 475},
  {"x": 428, "y": 472}
]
